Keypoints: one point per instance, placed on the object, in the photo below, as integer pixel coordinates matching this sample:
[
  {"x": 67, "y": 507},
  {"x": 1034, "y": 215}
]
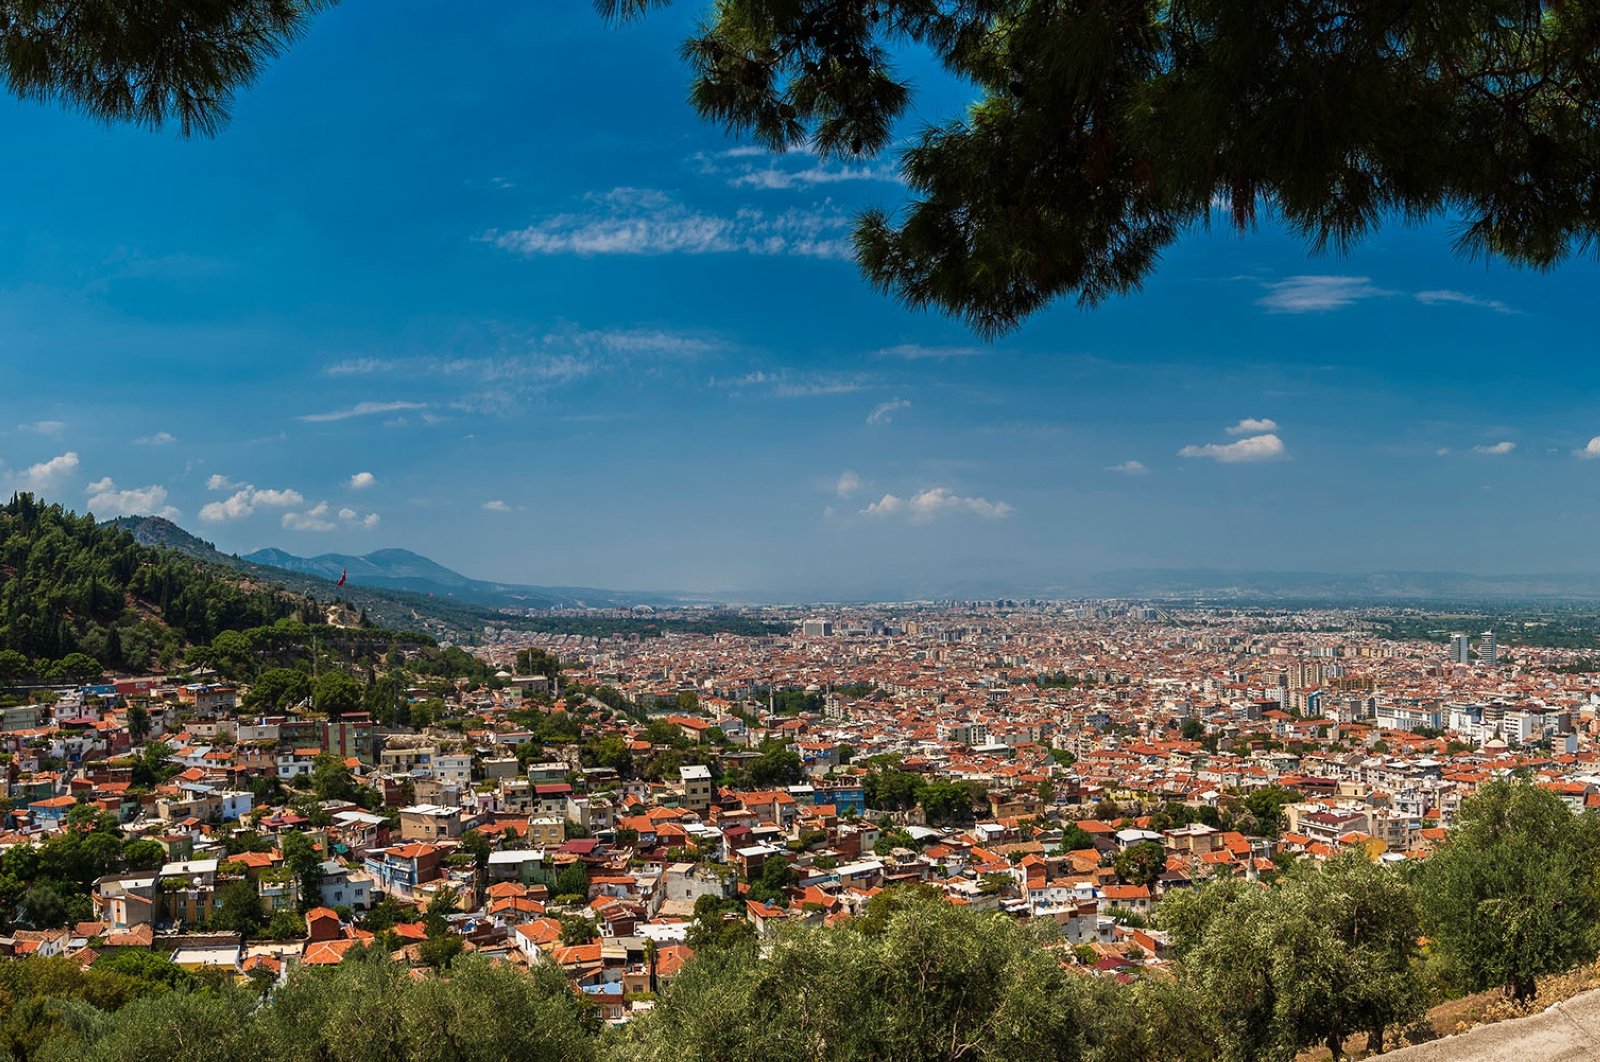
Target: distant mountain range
[
  {"x": 401, "y": 569},
  {"x": 397, "y": 588}
]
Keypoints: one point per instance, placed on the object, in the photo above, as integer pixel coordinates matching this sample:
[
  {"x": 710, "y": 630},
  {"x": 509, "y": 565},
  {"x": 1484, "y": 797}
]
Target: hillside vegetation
[{"x": 77, "y": 598}]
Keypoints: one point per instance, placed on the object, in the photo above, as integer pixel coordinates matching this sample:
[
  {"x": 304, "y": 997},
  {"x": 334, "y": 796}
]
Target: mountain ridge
[
  {"x": 403, "y": 569},
  {"x": 391, "y": 570}
]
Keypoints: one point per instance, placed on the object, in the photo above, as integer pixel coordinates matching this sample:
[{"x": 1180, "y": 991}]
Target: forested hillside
[
  {"x": 77, "y": 597},
  {"x": 400, "y": 609}
]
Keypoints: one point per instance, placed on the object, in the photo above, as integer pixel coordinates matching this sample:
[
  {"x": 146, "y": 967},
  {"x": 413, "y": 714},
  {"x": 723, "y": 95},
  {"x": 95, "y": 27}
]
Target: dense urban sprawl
[{"x": 608, "y": 807}]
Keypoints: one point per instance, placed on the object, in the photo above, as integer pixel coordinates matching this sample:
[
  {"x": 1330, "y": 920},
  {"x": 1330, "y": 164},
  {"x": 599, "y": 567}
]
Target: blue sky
[{"x": 571, "y": 335}]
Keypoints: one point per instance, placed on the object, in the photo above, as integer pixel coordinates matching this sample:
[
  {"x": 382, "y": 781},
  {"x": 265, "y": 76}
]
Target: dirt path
[{"x": 1569, "y": 1030}]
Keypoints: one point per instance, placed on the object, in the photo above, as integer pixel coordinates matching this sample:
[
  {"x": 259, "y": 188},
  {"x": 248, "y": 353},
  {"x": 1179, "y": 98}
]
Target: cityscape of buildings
[{"x": 1017, "y": 757}]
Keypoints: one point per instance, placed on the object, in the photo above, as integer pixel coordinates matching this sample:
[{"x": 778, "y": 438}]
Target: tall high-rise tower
[
  {"x": 1488, "y": 652},
  {"x": 1460, "y": 649}
]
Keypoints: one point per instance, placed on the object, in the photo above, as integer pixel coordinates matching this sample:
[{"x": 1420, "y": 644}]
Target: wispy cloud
[
  {"x": 361, "y": 481},
  {"x": 106, "y": 501},
  {"x": 1318, "y": 294},
  {"x": 1321, "y": 294},
  {"x": 1129, "y": 468},
  {"x": 245, "y": 501},
  {"x": 921, "y": 352},
  {"x": 160, "y": 438},
  {"x": 741, "y": 167},
  {"x": 847, "y": 484},
  {"x": 785, "y": 383},
  {"x": 636, "y": 221},
  {"x": 1434, "y": 298},
  {"x": 1253, "y": 426},
  {"x": 1499, "y": 449},
  {"x": 883, "y": 412},
  {"x": 497, "y": 505},
  {"x": 1252, "y": 448},
  {"x": 502, "y": 370},
  {"x": 52, "y": 428},
  {"x": 362, "y": 409},
  {"x": 1590, "y": 450},
  {"x": 934, "y": 502},
  {"x": 357, "y": 367}
]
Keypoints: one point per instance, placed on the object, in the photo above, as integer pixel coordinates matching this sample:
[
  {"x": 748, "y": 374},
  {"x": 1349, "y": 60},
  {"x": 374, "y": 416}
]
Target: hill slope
[
  {"x": 76, "y": 596},
  {"x": 401, "y": 569},
  {"x": 392, "y": 608}
]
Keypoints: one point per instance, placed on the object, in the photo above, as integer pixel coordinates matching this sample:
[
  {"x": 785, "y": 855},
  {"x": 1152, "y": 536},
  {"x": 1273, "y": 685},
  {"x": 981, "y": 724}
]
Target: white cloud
[
  {"x": 160, "y": 438},
  {"x": 640, "y": 221},
  {"x": 495, "y": 506},
  {"x": 362, "y": 409},
  {"x": 217, "y": 481},
  {"x": 1318, "y": 294},
  {"x": 357, "y": 367},
  {"x": 848, "y": 484},
  {"x": 516, "y": 366},
  {"x": 106, "y": 501},
  {"x": 919, "y": 352},
  {"x": 887, "y": 505},
  {"x": 786, "y": 384},
  {"x": 351, "y": 518},
  {"x": 775, "y": 178},
  {"x": 799, "y": 167},
  {"x": 1435, "y": 298},
  {"x": 1499, "y": 449},
  {"x": 1253, "y": 426},
  {"x": 883, "y": 412},
  {"x": 47, "y": 476},
  {"x": 934, "y": 502},
  {"x": 313, "y": 519},
  {"x": 1253, "y": 448},
  {"x": 1129, "y": 468},
  {"x": 362, "y": 480},
  {"x": 245, "y": 501},
  {"x": 52, "y": 428},
  {"x": 1590, "y": 451}
]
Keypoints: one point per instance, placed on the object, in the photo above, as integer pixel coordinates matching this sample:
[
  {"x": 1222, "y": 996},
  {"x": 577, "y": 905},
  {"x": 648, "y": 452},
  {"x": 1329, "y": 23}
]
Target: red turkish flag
[{"x": 344, "y": 573}]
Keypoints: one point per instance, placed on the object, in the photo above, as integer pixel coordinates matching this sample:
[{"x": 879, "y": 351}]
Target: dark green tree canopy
[
  {"x": 1514, "y": 891},
  {"x": 150, "y": 63},
  {"x": 1102, "y": 131}
]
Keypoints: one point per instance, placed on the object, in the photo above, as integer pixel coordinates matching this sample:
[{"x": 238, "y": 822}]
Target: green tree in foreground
[
  {"x": 1514, "y": 891},
  {"x": 1324, "y": 954},
  {"x": 918, "y": 979},
  {"x": 360, "y": 1011},
  {"x": 152, "y": 63},
  {"x": 1101, "y": 132}
]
